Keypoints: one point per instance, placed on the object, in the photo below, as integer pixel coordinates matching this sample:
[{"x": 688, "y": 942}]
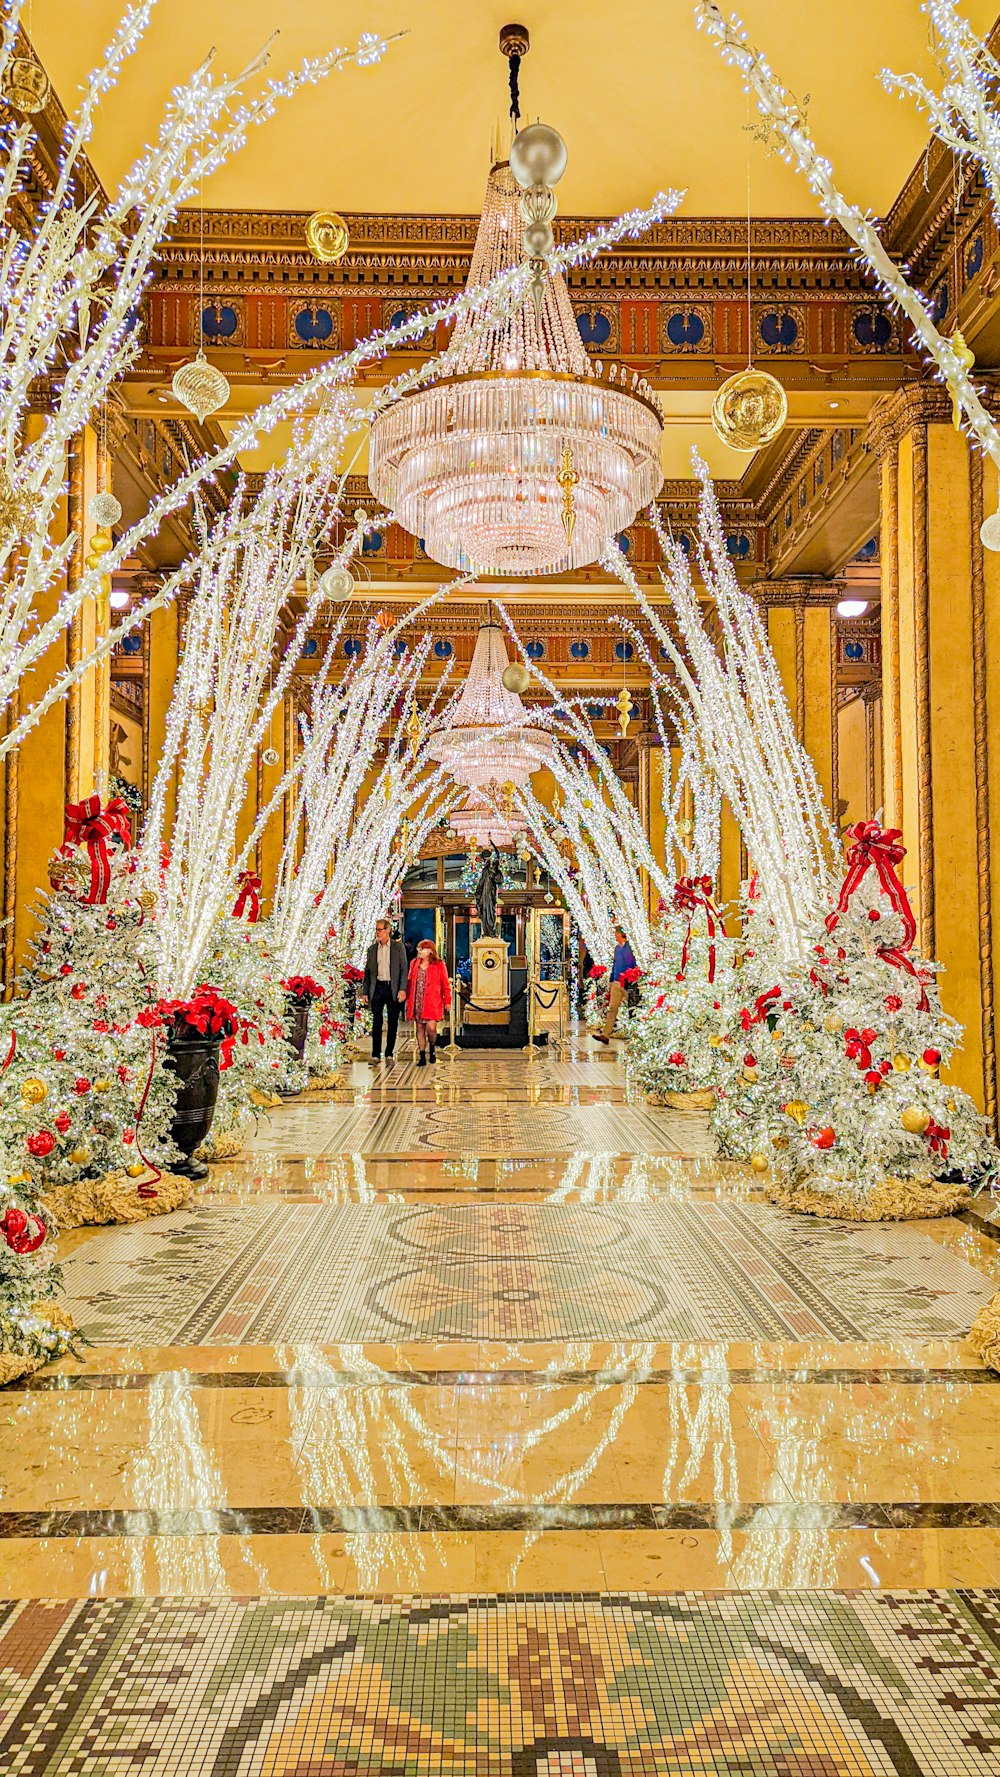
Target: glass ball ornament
[
  {"x": 270, "y": 756},
  {"x": 327, "y": 236},
  {"x": 538, "y": 204},
  {"x": 516, "y": 678},
  {"x": 104, "y": 511},
  {"x": 336, "y": 583},
  {"x": 538, "y": 156},
  {"x": 200, "y": 388},
  {"x": 34, "y": 1091},
  {"x": 25, "y": 85},
  {"x": 749, "y": 410},
  {"x": 915, "y": 1119},
  {"x": 989, "y": 531}
]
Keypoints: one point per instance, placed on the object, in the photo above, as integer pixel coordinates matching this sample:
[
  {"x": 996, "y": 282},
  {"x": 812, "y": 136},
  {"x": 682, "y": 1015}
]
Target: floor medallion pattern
[
  {"x": 266, "y": 1273},
  {"x": 683, "y": 1684}
]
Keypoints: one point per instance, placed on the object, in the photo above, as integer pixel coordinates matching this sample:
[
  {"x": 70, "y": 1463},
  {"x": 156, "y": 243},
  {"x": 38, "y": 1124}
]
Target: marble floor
[{"x": 485, "y": 1423}]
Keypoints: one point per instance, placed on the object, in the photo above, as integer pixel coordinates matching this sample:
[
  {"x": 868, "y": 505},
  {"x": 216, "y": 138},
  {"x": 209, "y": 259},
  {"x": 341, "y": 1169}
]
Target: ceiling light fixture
[
  {"x": 852, "y": 607},
  {"x": 526, "y": 458}
]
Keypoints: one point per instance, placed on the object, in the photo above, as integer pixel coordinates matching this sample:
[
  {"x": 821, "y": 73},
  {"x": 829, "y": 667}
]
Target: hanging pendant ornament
[
  {"x": 568, "y": 480},
  {"x": 989, "y": 531},
  {"x": 413, "y": 729},
  {"x": 624, "y": 702},
  {"x": 336, "y": 584},
  {"x": 327, "y": 236},
  {"x": 199, "y": 387},
  {"x": 270, "y": 756},
  {"x": 25, "y": 86},
  {"x": 749, "y": 409},
  {"x": 104, "y": 511},
  {"x": 966, "y": 358}
]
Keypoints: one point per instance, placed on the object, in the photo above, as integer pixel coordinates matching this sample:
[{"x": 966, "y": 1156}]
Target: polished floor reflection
[{"x": 550, "y": 1462}]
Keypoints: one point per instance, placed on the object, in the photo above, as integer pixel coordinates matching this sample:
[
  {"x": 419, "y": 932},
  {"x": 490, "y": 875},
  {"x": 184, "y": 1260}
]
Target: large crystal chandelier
[
  {"x": 527, "y": 457},
  {"x": 491, "y": 740}
]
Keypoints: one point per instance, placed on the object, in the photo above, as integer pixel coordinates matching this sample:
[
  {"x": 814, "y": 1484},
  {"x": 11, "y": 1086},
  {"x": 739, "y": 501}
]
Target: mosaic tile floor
[
  {"x": 487, "y": 1426},
  {"x": 264, "y": 1273},
  {"x": 809, "y": 1685}
]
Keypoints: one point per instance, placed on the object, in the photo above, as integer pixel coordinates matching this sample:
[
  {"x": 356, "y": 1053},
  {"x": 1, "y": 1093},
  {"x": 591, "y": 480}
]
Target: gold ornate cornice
[
  {"x": 797, "y": 591},
  {"x": 916, "y": 404}
]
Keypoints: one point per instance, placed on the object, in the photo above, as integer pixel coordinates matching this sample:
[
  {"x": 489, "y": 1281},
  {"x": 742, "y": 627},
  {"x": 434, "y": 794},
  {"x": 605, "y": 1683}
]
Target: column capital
[
  {"x": 796, "y": 590},
  {"x": 923, "y": 404}
]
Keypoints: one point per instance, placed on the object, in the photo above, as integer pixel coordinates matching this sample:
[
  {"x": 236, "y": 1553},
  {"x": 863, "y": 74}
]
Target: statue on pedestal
[{"x": 488, "y": 892}]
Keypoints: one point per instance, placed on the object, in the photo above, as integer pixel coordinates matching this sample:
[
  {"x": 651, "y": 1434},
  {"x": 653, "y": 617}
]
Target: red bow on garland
[
  {"x": 249, "y": 895},
  {"x": 877, "y": 848},
  {"x": 87, "y": 823},
  {"x": 690, "y": 893}
]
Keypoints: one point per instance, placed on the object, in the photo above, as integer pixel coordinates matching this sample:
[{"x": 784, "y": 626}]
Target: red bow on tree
[
  {"x": 878, "y": 848},
  {"x": 690, "y": 893},
  {"x": 248, "y": 897},
  {"x": 87, "y": 823}
]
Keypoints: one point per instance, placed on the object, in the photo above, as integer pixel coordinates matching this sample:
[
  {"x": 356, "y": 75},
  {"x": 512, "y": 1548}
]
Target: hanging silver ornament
[
  {"x": 538, "y": 156},
  {"x": 538, "y": 241},
  {"x": 336, "y": 584},
  {"x": 25, "y": 86},
  {"x": 538, "y": 204},
  {"x": 104, "y": 511},
  {"x": 200, "y": 388}
]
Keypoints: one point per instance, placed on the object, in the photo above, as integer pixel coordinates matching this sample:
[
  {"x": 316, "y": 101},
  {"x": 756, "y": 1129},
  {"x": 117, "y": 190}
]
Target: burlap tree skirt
[
  {"x": 92, "y": 1202},
  {"x": 894, "y": 1200}
]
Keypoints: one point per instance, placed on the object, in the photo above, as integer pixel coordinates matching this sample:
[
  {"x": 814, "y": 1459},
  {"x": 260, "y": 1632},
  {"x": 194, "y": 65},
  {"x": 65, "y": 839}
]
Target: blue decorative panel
[
  {"x": 738, "y": 545},
  {"x": 685, "y": 329},
  {"x": 310, "y": 647},
  {"x": 595, "y": 711},
  {"x": 974, "y": 257},
  {"x": 779, "y": 329},
  {"x": 219, "y": 321},
  {"x": 872, "y": 330},
  {"x": 400, "y": 647},
  {"x": 854, "y": 650},
  {"x": 442, "y": 648},
  {"x": 868, "y": 551},
  {"x": 579, "y": 650},
  {"x": 593, "y": 326},
  {"x": 372, "y": 543},
  {"x": 624, "y": 542},
  {"x": 131, "y": 644},
  {"x": 313, "y": 326},
  {"x": 535, "y": 650},
  {"x": 352, "y": 647},
  {"x": 684, "y": 543},
  {"x": 624, "y": 650},
  {"x": 397, "y": 318},
  {"x": 939, "y": 302}
]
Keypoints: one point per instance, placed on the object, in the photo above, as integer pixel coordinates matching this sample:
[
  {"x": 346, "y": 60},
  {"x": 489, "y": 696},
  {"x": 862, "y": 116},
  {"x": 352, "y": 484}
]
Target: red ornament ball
[
  {"x": 77, "y": 990},
  {"x": 932, "y": 1057},
  {"x": 749, "y": 1061},
  {"x": 868, "y": 1035},
  {"x": 81, "y": 1086},
  {"x": 65, "y": 968},
  {"x": 822, "y": 1138},
  {"x": 873, "y": 1079},
  {"x": 58, "y": 1054},
  {"x": 41, "y": 1143},
  {"x": 874, "y": 914},
  {"x": 62, "y": 1122},
  {"x": 892, "y": 1002}
]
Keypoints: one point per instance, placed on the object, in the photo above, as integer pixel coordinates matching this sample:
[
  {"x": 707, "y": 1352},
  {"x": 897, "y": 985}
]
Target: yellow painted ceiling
[{"x": 641, "y": 97}]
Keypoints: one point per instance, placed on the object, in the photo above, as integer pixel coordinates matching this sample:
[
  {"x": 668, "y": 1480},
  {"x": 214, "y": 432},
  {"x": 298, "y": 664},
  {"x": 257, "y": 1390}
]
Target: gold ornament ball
[
  {"x": 833, "y": 1025},
  {"x": 79, "y": 1156},
  {"x": 136, "y": 1169},
  {"x": 102, "y": 1085},
  {"x": 516, "y": 678},
  {"x": 779, "y": 1141},
  {"x": 915, "y": 1119},
  {"x": 270, "y": 756},
  {"x": 147, "y": 900},
  {"x": 33, "y": 1091},
  {"x": 901, "y": 1064},
  {"x": 199, "y": 387},
  {"x": 759, "y": 1162},
  {"x": 327, "y": 236},
  {"x": 25, "y": 86},
  {"x": 715, "y": 1042},
  {"x": 749, "y": 410}
]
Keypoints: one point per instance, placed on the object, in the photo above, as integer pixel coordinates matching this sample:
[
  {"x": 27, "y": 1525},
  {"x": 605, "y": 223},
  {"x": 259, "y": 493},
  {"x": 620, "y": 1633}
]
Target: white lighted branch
[
  {"x": 745, "y": 727},
  {"x": 69, "y": 296},
  {"x": 787, "y": 122},
  {"x": 965, "y": 113}
]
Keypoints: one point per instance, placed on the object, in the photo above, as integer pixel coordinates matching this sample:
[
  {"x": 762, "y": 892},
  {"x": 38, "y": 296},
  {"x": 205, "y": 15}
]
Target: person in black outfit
[{"x": 384, "y": 987}]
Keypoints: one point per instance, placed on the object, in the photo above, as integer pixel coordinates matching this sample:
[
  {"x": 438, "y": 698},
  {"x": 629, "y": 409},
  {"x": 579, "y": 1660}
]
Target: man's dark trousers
[{"x": 384, "y": 998}]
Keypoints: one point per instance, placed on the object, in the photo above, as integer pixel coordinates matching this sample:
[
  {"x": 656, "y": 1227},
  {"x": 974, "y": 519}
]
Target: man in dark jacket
[
  {"x": 384, "y": 986},
  {"x": 623, "y": 964}
]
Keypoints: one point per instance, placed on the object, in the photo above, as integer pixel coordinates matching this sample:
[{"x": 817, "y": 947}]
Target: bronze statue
[{"x": 488, "y": 890}]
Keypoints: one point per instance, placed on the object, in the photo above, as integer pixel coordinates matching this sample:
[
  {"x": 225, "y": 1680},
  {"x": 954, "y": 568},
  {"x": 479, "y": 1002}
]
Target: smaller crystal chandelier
[{"x": 490, "y": 741}]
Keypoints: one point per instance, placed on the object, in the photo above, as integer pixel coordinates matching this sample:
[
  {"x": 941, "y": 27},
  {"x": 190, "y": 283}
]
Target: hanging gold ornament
[
  {"x": 413, "y": 728},
  {"x": 135, "y": 1169},
  {"x": 901, "y": 1064},
  {"x": 15, "y": 510},
  {"x": 568, "y": 480},
  {"x": 199, "y": 387},
  {"x": 25, "y": 86},
  {"x": 34, "y": 1091},
  {"x": 515, "y": 678},
  {"x": 915, "y": 1119},
  {"x": 79, "y": 1156},
  {"x": 327, "y": 236},
  {"x": 749, "y": 410},
  {"x": 102, "y": 1085},
  {"x": 624, "y": 702},
  {"x": 798, "y": 1110},
  {"x": 759, "y": 1162},
  {"x": 967, "y": 359}
]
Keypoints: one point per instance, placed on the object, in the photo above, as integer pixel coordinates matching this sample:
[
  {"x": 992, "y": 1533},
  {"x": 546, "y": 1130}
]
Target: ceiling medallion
[
  {"x": 327, "y": 236},
  {"x": 750, "y": 409},
  {"x": 527, "y": 457},
  {"x": 200, "y": 388}
]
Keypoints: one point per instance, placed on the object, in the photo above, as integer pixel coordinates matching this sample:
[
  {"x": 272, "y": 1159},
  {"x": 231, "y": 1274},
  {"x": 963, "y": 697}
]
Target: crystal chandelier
[
  {"x": 490, "y": 740},
  {"x": 527, "y": 457},
  {"x": 483, "y": 821}
]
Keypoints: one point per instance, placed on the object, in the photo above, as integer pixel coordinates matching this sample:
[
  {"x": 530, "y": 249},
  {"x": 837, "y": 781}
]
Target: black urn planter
[
  {"x": 194, "y": 1058},
  {"x": 297, "y": 1021}
]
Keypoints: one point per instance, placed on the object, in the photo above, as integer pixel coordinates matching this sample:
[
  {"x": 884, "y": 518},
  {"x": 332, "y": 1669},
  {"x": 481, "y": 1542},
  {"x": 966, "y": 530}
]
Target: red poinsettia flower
[
  {"x": 207, "y": 1012},
  {"x": 595, "y": 972},
  {"x": 350, "y": 973},
  {"x": 630, "y": 976},
  {"x": 304, "y": 987}
]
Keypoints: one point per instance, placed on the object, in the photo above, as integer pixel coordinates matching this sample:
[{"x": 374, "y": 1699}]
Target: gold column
[
  {"x": 730, "y": 867},
  {"x": 944, "y": 592},
  {"x": 799, "y": 616}
]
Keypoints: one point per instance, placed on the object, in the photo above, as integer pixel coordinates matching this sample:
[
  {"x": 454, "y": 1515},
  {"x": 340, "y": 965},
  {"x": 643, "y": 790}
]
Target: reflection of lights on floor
[{"x": 869, "y": 1569}]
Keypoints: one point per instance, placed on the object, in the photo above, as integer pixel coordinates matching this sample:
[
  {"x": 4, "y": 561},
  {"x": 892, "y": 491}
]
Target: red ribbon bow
[
  {"x": 87, "y": 823},
  {"x": 249, "y": 892},
  {"x": 690, "y": 893},
  {"x": 878, "y": 848}
]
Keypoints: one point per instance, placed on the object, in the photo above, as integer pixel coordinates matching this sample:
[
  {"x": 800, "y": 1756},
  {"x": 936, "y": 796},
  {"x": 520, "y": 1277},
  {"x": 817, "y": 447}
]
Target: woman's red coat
[{"x": 437, "y": 990}]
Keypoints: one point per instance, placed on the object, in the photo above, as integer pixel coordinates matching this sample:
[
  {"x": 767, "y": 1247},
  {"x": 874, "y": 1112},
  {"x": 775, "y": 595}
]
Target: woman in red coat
[{"x": 428, "y": 996}]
